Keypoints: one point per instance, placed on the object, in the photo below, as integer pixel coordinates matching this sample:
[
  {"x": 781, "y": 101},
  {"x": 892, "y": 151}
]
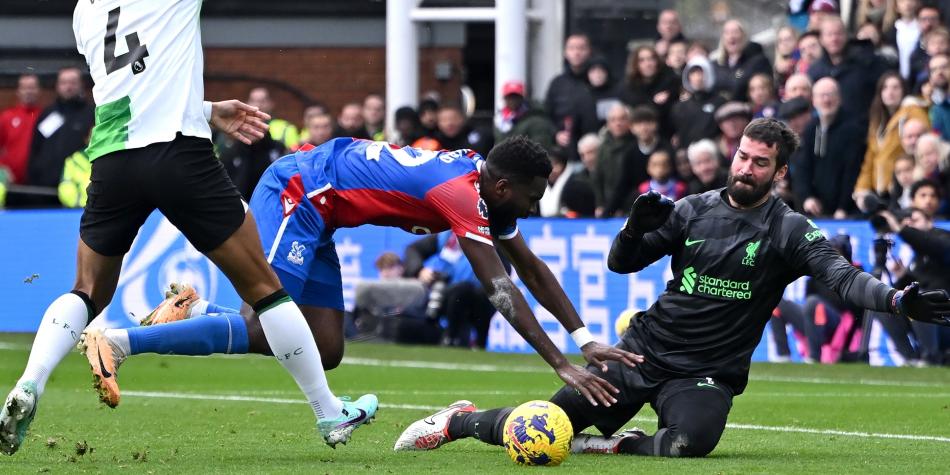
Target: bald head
[
  {"x": 826, "y": 98},
  {"x": 912, "y": 131},
  {"x": 797, "y": 85},
  {"x": 833, "y": 36}
]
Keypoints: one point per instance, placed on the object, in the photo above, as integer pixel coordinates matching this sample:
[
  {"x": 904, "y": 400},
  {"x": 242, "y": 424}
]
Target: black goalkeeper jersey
[{"x": 730, "y": 269}]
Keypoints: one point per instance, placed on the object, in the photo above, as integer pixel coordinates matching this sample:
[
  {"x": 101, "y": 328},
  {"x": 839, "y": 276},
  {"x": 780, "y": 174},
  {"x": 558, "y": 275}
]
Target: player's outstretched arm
[
  {"x": 544, "y": 286},
  {"x": 239, "y": 120},
  {"x": 509, "y": 301},
  {"x": 637, "y": 245}
]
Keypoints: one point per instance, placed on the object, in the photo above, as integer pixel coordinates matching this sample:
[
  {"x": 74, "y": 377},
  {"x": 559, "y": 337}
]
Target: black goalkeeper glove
[
  {"x": 931, "y": 306},
  {"x": 650, "y": 210}
]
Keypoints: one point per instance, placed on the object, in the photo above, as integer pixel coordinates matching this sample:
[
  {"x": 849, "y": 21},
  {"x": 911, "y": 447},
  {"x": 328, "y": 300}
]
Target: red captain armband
[{"x": 306, "y": 147}]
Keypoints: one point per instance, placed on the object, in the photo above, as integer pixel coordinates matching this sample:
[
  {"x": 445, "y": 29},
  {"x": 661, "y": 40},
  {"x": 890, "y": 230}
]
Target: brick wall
[{"x": 333, "y": 76}]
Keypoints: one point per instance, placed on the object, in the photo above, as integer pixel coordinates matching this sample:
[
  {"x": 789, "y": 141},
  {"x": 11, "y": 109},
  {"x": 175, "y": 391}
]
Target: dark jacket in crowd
[
  {"x": 633, "y": 172},
  {"x": 578, "y": 195},
  {"x": 359, "y": 133},
  {"x": 827, "y": 164},
  {"x": 857, "y": 77},
  {"x": 931, "y": 257},
  {"x": 694, "y": 117},
  {"x": 695, "y": 186},
  {"x": 594, "y": 102},
  {"x": 246, "y": 163},
  {"x": 609, "y": 171},
  {"x": 733, "y": 81},
  {"x": 48, "y": 154},
  {"x": 533, "y": 123},
  {"x": 561, "y": 98},
  {"x": 641, "y": 93}
]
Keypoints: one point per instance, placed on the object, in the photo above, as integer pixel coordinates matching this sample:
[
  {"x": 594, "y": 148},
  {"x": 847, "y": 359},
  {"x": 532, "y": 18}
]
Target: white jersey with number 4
[{"x": 146, "y": 61}]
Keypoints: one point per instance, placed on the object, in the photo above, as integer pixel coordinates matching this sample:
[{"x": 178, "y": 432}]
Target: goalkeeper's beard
[{"x": 747, "y": 195}]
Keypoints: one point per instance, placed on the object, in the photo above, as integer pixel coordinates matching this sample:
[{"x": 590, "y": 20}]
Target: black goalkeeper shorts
[
  {"x": 636, "y": 391},
  {"x": 183, "y": 179}
]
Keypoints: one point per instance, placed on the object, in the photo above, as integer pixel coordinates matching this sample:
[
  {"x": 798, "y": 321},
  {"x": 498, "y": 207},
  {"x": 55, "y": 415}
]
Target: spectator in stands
[
  {"x": 246, "y": 163},
  {"x": 829, "y": 159},
  {"x": 887, "y": 53},
  {"x": 61, "y": 130},
  {"x": 561, "y": 99},
  {"x": 786, "y": 54},
  {"x": 899, "y": 194},
  {"x": 407, "y": 126},
  {"x": 762, "y": 96},
  {"x": 644, "y": 123},
  {"x": 881, "y": 13},
  {"x": 319, "y": 129},
  {"x": 911, "y": 131},
  {"x": 455, "y": 133},
  {"x": 650, "y": 82},
  {"x": 906, "y": 34},
  {"x": 77, "y": 172},
  {"x": 925, "y": 195},
  {"x": 939, "y": 94},
  {"x": 852, "y": 64},
  {"x": 594, "y": 102},
  {"x": 708, "y": 173},
  {"x": 282, "y": 131},
  {"x": 668, "y": 30},
  {"x": 610, "y": 156},
  {"x": 809, "y": 51},
  {"x": 928, "y": 20},
  {"x": 739, "y": 59},
  {"x": 696, "y": 48},
  {"x": 732, "y": 117},
  {"x": 681, "y": 161},
  {"x": 797, "y": 85},
  {"x": 819, "y": 11},
  {"x": 374, "y": 117},
  {"x": 676, "y": 56},
  {"x": 350, "y": 122},
  {"x": 428, "y": 117},
  {"x": 561, "y": 171},
  {"x": 577, "y": 198},
  {"x": 936, "y": 43},
  {"x": 795, "y": 112},
  {"x": 694, "y": 116},
  {"x": 891, "y": 109},
  {"x": 311, "y": 110},
  {"x": 16, "y": 127},
  {"x": 520, "y": 116},
  {"x": 931, "y": 156},
  {"x": 660, "y": 171},
  {"x": 931, "y": 246}
]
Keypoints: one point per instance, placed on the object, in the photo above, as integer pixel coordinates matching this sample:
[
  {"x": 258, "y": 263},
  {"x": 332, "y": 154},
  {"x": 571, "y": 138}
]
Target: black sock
[
  {"x": 486, "y": 426},
  {"x": 646, "y": 445}
]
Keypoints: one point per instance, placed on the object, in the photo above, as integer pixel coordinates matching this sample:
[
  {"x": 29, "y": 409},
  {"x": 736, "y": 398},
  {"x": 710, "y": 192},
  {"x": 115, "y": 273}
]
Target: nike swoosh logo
[
  {"x": 360, "y": 418},
  {"x": 102, "y": 367},
  {"x": 691, "y": 242}
]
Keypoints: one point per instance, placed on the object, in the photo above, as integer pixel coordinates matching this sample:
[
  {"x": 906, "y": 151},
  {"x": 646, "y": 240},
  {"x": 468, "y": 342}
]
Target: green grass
[{"x": 149, "y": 434}]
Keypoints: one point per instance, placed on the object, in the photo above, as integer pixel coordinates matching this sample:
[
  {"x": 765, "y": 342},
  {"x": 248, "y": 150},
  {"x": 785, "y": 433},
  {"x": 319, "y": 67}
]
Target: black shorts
[
  {"x": 183, "y": 179},
  {"x": 635, "y": 392}
]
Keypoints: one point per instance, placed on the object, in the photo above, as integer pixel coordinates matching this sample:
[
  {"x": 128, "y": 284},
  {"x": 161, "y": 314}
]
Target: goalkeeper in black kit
[{"x": 734, "y": 250}]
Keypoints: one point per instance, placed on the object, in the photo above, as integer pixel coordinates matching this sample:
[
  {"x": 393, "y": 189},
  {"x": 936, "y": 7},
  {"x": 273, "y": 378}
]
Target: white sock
[
  {"x": 58, "y": 333},
  {"x": 119, "y": 338},
  {"x": 198, "y": 308},
  {"x": 290, "y": 339}
]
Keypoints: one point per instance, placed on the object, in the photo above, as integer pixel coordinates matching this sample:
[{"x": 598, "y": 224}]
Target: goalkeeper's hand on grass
[
  {"x": 930, "y": 306},
  {"x": 650, "y": 211}
]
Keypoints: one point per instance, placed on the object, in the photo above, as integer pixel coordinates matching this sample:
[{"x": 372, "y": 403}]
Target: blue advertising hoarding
[{"x": 37, "y": 264}]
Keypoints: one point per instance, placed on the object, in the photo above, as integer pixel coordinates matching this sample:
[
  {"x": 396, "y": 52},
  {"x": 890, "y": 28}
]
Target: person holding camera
[{"x": 931, "y": 247}]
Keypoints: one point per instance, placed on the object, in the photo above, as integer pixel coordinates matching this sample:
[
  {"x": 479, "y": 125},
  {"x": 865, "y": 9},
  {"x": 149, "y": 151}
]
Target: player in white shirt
[{"x": 151, "y": 149}]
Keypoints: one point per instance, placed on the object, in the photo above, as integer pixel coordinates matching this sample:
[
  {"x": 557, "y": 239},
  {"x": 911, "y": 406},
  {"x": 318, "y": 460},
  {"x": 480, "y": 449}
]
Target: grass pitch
[{"x": 245, "y": 415}]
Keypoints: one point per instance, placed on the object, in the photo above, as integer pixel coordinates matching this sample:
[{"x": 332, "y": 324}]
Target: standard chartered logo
[
  {"x": 714, "y": 286},
  {"x": 689, "y": 280}
]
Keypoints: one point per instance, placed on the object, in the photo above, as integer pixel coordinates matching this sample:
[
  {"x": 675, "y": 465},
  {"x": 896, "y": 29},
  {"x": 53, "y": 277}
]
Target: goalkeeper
[{"x": 734, "y": 252}]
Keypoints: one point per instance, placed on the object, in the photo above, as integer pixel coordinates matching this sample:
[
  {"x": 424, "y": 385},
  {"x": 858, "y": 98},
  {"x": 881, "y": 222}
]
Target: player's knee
[
  {"x": 693, "y": 442},
  {"x": 331, "y": 358}
]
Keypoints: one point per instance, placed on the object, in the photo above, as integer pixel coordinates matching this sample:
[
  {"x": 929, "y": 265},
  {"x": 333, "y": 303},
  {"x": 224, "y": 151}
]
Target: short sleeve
[{"x": 466, "y": 213}]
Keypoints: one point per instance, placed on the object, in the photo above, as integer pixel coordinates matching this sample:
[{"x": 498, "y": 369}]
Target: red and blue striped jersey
[{"x": 353, "y": 182}]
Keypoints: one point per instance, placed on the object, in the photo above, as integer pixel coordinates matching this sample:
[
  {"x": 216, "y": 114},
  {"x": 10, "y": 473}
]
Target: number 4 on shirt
[{"x": 135, "y": 55}]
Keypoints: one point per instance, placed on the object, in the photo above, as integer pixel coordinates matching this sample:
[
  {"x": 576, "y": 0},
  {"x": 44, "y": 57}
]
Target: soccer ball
[{"x": 538, "y": 433}]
